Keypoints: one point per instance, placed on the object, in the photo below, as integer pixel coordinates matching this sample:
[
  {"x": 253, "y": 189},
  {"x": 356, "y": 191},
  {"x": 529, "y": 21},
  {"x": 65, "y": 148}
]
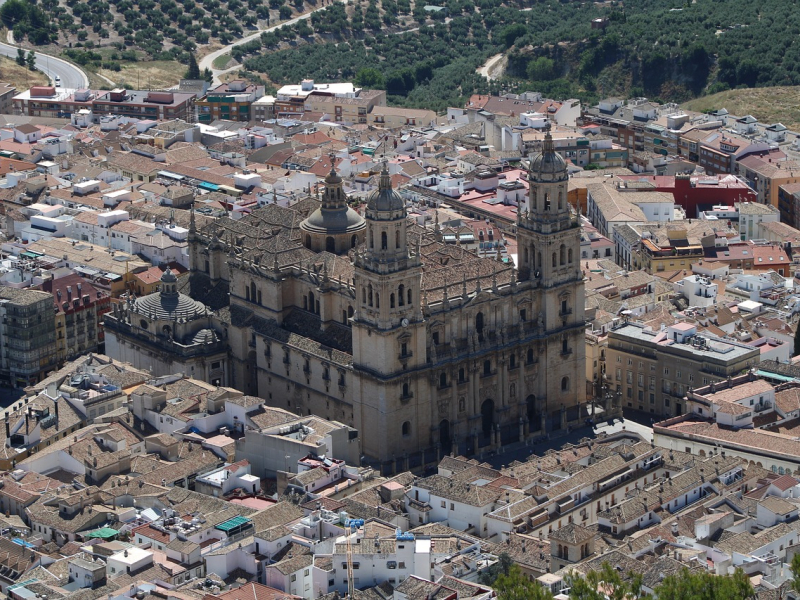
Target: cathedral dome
[
  {"x": 168, "y": 303},
  {"x": 385, "y": 199},
  {"x": 336, "y": 220},
  {"x": 548, "y": 164}
]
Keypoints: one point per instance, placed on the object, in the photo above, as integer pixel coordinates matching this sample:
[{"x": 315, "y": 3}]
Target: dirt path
[{"x": 494, "y": 67}]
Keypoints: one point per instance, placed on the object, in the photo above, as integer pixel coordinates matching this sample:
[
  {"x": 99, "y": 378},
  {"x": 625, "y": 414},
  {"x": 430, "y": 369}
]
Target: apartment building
[
  {"x": 229, "y": 101},
  {"x": 7, "y": 92},
  {"x": 79, "y": 308},
  {"x": 27, "y": 336},
  {"x": 766, "y": 174},
  {"x": 339, "y": 102},
  {"x": 654, "y": 369},
  {"x": 48, "y": 101}
]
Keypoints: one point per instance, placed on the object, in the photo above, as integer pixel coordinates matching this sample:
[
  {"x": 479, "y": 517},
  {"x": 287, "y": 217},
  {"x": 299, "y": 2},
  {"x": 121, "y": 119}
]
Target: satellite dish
[{"x": 404, "y": 322}]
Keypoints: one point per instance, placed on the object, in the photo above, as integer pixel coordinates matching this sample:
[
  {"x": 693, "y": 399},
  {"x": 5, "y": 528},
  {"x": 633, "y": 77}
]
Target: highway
[{"x": 71, "y": 76}]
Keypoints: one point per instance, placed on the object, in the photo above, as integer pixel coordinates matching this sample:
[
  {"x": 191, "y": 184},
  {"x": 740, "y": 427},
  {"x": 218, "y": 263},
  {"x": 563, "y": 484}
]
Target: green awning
[
  {"x": 233, "y": 523},
  {"x": 774, "y": 376},
  {"x": 104, "y": 533}
]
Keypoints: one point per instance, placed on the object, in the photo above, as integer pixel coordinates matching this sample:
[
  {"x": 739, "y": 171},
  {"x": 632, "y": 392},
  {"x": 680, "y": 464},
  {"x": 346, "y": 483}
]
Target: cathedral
[{"x": 425, "y": 348}]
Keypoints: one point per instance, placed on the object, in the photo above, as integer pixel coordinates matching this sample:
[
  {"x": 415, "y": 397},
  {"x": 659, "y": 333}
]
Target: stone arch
[
  {"x": 487, "y": 417},
  {"x": 565, "y": 384},
  {"x": 349, "y": 312},
  {"x": 444, "y": 435},
  {"x": 406, "y": 428}
]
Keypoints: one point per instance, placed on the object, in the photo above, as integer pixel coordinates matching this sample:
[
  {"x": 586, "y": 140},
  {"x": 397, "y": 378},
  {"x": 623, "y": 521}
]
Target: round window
[{"x": 143, "y": 324}]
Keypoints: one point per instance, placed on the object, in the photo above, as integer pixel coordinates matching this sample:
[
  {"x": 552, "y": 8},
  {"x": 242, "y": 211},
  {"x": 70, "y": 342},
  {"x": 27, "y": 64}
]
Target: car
[{"x": 58, "y": 80}]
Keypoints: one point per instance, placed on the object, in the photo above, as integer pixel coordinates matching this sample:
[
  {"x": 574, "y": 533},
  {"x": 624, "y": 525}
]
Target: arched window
[
  {"x": 363, "y": 295},
  {"x": 547, "y": 201},
  {"x": 405, "y": 390},
  {"x": 259, "y": 297},
  {"x": 247, "y": 293},
  {"x": 252, "y": 291},
  {"x": 526, "y": 259},
  {"x": 391, "y": 300},
  {"x": 565, "y": 384},
  {"x": 311, "y": 303},
  {"x": 371, "y": 239},
  {"x": 349, "y": 312},
  {"x": 330, "y": 244},
  {"x": 563, "y": 254},
  {"x": 555, "y": 260},
  {"x": 406, "y": 429},
  {"x": 529, "y": 357},
  {"x": 461, "y": 375},
  {"x": 512, "y": 362},
  {"x": 401, "y": 295},
  {"x": 487, "y": 367},
  {"x": 560, "y": 201},
  {"x": 384, "y": 241},
  {"x": 569, "y": 256},
  {"x": 539, "y": 260},
  {"x": 479, "y": 324},
  {"x": 370, "y": 294},
  {"x": 564, "y": 346},
  {"x": 409, "y": 297},
  {"x": 353, "y": 241},
  {"x": 377, "y": 300},
  {"x": 397, "y": 239},
  {"x": 442, "y": 379}
]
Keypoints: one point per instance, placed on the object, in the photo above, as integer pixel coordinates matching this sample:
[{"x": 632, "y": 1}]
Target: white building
[{"x": 698, "y": 290}]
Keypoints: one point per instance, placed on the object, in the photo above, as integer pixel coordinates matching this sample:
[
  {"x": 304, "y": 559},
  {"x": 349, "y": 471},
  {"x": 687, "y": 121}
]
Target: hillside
[
  {"x": 20, "y": 77},
  {"x": 768, "y": 104}
]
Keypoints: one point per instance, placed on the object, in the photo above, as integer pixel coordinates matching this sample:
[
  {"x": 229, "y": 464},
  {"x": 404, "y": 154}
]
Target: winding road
[
  {"x": 71, "y": 76},
  {"x": 207, "y": 61}
]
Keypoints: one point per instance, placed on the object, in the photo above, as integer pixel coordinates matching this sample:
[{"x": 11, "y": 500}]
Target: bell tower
[
  {"x": 548, "y": 237},
  {"x": 388, "y": 330}
]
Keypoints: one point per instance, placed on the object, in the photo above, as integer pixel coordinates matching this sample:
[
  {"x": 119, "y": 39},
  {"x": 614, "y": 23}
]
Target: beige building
[
  {"x": 7, "y": 93},
  {"x": 423, "y": 347},
  {"x": 654, "y": 370},
  {"x": 394, "y": 117}
]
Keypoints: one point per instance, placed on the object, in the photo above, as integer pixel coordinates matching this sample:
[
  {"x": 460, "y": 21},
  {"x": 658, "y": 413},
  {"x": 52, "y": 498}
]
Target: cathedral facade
[{"x": 373, "y": 321}]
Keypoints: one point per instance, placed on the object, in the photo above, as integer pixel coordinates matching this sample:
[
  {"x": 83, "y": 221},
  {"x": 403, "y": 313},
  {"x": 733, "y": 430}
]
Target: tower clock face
[{"x": 404, "y": 322}]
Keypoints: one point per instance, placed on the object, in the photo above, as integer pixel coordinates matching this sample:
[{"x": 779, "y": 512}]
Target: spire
[
  {"x": 385, "y": 182},
  {"x": 547, "y": 147}
]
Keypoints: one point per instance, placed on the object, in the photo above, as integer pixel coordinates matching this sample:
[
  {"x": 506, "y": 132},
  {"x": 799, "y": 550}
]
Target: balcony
[{"x": 564, "y": 312}]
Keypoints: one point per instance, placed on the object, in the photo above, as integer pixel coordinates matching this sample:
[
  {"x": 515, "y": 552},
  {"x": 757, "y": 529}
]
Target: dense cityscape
[{"x": 316, "y": 341}]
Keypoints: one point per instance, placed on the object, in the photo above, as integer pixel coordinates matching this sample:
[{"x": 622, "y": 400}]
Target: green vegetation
[{"x": 767, "y": 104}]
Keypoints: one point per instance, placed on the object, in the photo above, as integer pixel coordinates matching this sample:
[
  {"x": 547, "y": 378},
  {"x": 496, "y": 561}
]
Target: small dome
[
  {"x": 168, "y": 276},
  {"x": 168, "y": 306},
  {"x": 333, "y": 177},
  {"x": 385, "y": 199},
  {"x": 548, "y": 164},
  {"x": 205, "y": 336}
]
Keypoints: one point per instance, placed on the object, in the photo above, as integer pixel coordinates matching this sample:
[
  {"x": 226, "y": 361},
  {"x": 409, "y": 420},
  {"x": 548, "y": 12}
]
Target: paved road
[
  {"x": 71, "y": 76},
  {"x": 207, "y": 61}
]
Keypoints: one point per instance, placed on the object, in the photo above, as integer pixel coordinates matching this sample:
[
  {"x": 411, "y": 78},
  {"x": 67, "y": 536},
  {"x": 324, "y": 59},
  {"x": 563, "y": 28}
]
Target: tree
[
  {"x": 515, "y": 586},
  {"x": 502, "y": 567},
  {"x": 370, "y": 77},
  {"x": 20, "y": 57},
  {"x": 208, "y": 75},
  {"x": 541, "y": 69},
  {"x": 794, "y": 584},
  {"x": 284, "y": 12},
  {"x": 797, "y": 346},
  {"x": 701, "y": 585},
  {"x": 605, "y": 583},
  {"x": 510, "y": 34},
  {"x": 193, "y": 72},
  {"x": 30, "y": 60}
]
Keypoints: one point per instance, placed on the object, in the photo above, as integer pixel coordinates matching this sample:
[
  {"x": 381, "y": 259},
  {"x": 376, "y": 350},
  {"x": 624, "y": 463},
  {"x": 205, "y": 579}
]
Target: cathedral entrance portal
[
  {"x": 445, "y": 443},
  {"x": 487, "y": 422},
  {"x": 534, "y": 419}
]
